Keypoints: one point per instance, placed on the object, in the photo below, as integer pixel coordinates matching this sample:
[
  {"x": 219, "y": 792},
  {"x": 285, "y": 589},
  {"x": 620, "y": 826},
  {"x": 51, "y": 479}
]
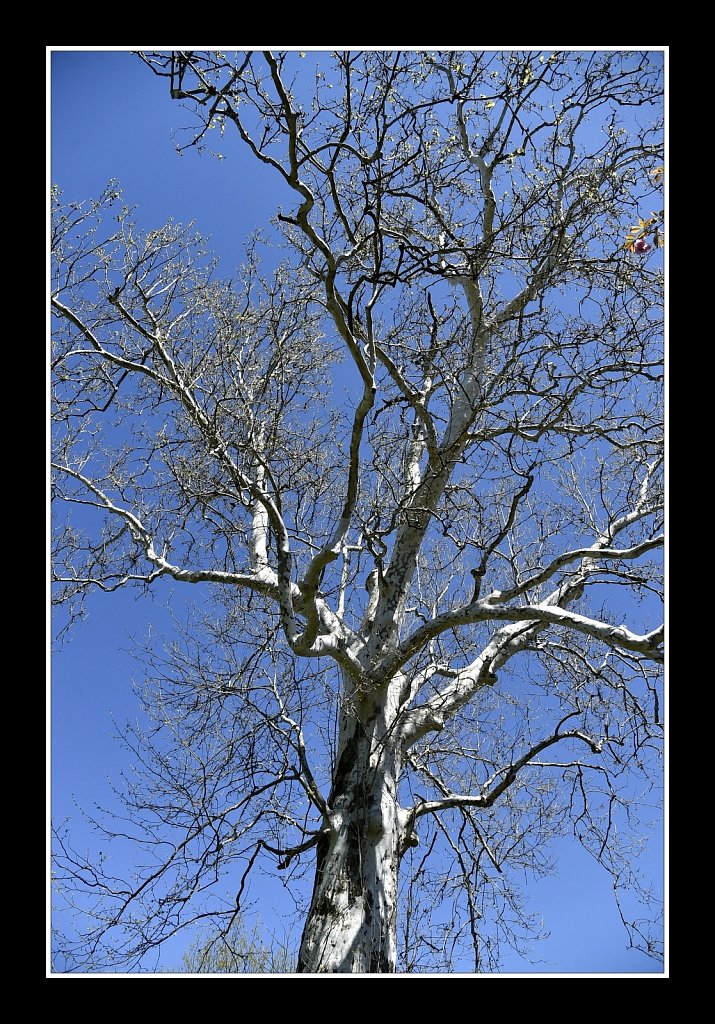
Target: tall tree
[{"x": 428, "y": 643}]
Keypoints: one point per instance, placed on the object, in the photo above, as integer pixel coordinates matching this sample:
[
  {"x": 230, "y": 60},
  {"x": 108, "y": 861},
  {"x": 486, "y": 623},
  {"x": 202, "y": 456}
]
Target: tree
[
  {"x": 237, "y": 951},
  {"x": 427, "y": 643}
]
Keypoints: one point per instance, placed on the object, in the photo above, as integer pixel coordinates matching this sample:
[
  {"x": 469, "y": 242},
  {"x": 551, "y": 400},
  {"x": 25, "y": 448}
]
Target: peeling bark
[{"x": 351, "y": 925}]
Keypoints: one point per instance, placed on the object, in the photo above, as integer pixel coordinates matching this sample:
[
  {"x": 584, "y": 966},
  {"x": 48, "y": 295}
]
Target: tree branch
[{"x": 492, "y": 790}]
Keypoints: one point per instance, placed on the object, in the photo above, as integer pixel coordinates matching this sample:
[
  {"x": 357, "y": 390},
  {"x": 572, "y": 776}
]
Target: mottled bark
[{"x": 351, "y": 925}]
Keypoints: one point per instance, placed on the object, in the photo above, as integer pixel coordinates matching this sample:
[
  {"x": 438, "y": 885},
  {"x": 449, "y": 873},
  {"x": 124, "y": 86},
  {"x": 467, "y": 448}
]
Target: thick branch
[
  {"x": 218, "y": 448},
  {"x": 263, "y": 580},
  {"x": 592, "y": 554},
  {"x": 331, "y": 551}
]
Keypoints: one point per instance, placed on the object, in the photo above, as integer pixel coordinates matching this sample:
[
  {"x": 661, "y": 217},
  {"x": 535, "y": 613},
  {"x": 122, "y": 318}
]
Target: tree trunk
[{"x": 351, "y": 925}]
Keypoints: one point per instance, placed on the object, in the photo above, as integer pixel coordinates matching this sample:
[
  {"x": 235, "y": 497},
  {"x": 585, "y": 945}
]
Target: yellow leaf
[
  {"x": 490, "y": 104},
  {"x": 636, "y": 232},
  {"x": 657, "y": 174}
]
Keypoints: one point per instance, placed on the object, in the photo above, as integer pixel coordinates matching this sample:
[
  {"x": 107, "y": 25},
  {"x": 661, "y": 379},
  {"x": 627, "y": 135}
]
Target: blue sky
[{"x": 111, "y": 119}]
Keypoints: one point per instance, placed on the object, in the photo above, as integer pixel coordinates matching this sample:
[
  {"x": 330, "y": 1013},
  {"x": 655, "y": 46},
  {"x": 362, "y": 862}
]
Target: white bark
[{"x": 351, "y": 925}]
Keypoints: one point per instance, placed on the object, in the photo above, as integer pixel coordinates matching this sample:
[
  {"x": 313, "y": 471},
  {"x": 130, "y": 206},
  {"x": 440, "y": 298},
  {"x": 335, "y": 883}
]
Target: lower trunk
[
  {"x": 352, "y": 919},
  {"x": 351, "y": 925}
]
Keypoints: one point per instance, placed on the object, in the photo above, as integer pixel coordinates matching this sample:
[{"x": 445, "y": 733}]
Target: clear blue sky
[{"x": 112, "y": 119}]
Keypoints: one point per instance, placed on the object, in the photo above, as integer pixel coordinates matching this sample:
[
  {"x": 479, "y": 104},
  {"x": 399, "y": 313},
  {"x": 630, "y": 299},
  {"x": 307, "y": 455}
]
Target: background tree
[
  {"x": 239, "y": 950},
  {"x": 428, "y": 644}
]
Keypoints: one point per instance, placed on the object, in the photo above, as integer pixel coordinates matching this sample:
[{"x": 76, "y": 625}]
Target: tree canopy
[{"x": 411, "y": 454}]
